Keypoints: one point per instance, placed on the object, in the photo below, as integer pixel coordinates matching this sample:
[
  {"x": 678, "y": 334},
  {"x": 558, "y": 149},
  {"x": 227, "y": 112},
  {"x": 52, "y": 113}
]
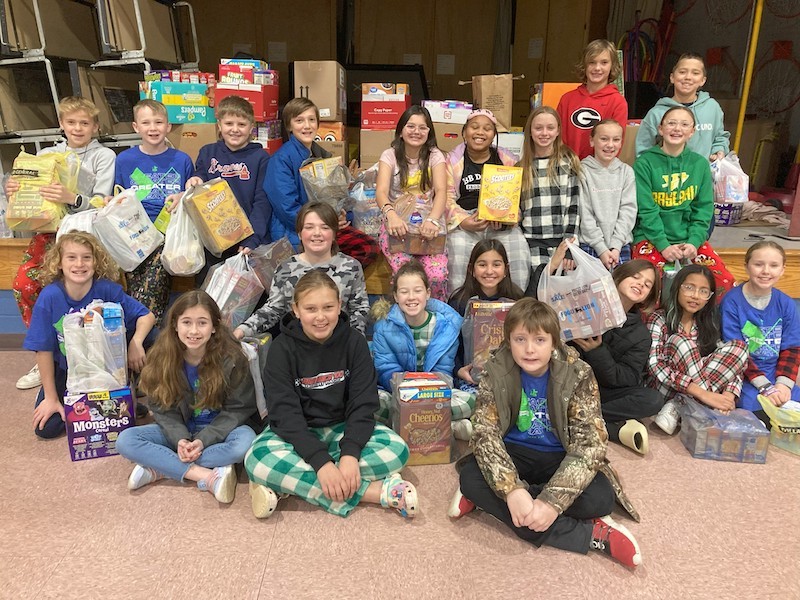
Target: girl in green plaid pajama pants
[{"x": 322, "y": 443}]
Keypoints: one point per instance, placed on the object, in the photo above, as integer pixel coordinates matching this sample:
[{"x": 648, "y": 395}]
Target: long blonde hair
[
  {"x": 561, "y": 152},
  {"x": 162, "y": 376},
  {"x": 104, "y": 265}
]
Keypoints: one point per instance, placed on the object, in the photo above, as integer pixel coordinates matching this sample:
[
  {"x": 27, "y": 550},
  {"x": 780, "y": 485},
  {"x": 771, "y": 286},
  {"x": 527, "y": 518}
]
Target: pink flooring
[{"x": 73, "y": 530}]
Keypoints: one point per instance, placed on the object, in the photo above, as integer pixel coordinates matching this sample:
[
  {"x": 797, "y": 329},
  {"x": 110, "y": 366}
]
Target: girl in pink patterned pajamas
[{"x": 413, "y": 170}]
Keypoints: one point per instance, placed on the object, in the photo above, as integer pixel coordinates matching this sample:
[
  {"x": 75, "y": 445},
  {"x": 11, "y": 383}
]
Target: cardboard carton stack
[
  {"x": 252, "y": 80},
  {"x": 187, "y": 98},
  {"x": 448, "y": 118},
  {"x": 323, "y": 82},
  {"x": 382, "y": 104}
]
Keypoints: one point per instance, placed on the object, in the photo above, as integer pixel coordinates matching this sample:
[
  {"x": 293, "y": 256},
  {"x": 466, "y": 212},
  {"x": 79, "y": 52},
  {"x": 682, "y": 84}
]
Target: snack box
[
  {"x": 501, "y": 187},
  {"x": 448, "y": 111},
  {"x": 385, "y": 88},
  {"x": 486, "y": 319},
  {"x": 239, "y": 73},
  {"x": 744, "y": 439},
  {"x": 321, "y": 168},
  {"x": 95, "y": 420},
  {"x": 421, "y": 416},
  {"x": 216, "y": 213},
  {"x": 263, "y": 98},
  {"x": 255, "y": 63}
]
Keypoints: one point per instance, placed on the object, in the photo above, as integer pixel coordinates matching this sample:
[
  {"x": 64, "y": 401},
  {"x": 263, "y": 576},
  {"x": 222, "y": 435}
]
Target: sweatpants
[
  {"x": 620, "y": 404},
  {"x": 572, "y": 530}
]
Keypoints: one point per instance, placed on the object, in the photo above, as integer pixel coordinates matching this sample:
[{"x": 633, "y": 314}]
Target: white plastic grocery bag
[
  {"x": 183, "y": 253},
  {"x": 124, "y": 228}
]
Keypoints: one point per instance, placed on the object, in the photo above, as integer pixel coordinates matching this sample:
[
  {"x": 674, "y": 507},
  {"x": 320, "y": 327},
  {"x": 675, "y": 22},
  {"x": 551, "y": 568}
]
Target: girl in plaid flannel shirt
[
  {"x": 688, "y": 357},
  {"x": 550, "y": 186}
]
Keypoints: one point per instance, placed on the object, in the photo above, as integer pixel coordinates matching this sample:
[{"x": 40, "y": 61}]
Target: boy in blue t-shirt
[
  {"x": 539, "y": 444},
  {"x": 243, "y": 164},
  {"x": 156, "y": 171}
]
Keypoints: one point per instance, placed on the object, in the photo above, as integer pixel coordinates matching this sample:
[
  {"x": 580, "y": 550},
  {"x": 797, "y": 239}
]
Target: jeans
[
  {"x": 147, "y": 446},
  {"x": 54, "y": 426}
]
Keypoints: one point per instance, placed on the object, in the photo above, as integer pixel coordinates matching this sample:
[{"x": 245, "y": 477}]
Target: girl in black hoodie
[{"x": 322, "y": 442}]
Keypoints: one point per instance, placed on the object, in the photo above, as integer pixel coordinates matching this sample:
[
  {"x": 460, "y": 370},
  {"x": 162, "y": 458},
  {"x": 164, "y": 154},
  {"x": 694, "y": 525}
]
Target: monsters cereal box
[
  {"x": 421, "y": 416},
  {"x": 483, "y": 331},
  {"x": 216, "y": 213},
  {"x": 501, "y": 187},
  {"x": 95, "y": 420}
]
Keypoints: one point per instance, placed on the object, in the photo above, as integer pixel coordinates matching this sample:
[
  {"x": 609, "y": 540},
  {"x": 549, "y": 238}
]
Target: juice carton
[
  {"x": 421, "y": 416},
  {"x": 95, "y": 420}
]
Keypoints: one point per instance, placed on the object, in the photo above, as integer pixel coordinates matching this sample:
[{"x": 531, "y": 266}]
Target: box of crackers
[{"x": 421, "y": 416}]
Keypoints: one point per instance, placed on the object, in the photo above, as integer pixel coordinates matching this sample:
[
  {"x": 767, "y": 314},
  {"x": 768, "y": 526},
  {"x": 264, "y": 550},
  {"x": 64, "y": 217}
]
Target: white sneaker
[
  {"x": 30, "y": 380},
  {"x": 142, "y": 476},
  {"x": 462, "y": 429},
  {"x": 225, "y": 486},
  {"x": 668, "y": 417},
  {"x": 264, "y": 500}
]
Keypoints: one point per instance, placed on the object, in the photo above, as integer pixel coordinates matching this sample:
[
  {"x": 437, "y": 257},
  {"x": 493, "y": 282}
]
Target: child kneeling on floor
[
  {"x": 539, "y": 444},
  {"x": 202, "y": 395},
  {"x": 322, "y": 442}
]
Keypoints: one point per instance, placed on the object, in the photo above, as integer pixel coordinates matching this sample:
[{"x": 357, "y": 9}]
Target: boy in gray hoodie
[{"x": 607, "y": 197}]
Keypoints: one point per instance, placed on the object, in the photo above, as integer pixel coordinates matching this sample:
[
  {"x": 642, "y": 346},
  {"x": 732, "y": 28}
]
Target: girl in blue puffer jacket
[{"x": 419, "y": 334}]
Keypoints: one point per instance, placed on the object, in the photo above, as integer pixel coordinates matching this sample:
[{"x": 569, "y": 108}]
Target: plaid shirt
[
  {"x": 357, "y": 244},
  {"x": 549, "y": 209}
]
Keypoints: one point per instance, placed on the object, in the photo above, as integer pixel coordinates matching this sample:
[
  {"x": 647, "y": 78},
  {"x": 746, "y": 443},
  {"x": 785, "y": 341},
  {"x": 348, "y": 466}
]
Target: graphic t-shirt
[
  {"x": 200, "y": 417},
  {"x": 470, "y": 187},
  {"x": 533, "y": 427}
]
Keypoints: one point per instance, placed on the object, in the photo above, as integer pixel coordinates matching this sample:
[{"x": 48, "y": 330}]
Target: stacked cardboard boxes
[
  {"x": 382, "y": 105},
  {"x": 186, "y": 102},
  {"x": 323, "y": 82},
  {"x": 252, "y": 80},
  {"x": 448, "y": 118}
]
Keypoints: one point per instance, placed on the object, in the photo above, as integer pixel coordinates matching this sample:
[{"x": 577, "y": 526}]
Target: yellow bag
[
  {"x": 785, "y": 432},
  {"x": 27, "y": 210}
]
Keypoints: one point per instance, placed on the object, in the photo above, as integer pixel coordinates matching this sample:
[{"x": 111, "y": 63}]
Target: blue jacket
[
  {"x": 284, "y": 187},
  {"x": 393, "y": 343}
]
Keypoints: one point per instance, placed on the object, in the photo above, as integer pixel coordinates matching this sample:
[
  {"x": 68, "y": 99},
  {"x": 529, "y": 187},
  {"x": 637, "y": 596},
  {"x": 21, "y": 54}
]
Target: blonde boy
[{"x": 78, "y": 120}]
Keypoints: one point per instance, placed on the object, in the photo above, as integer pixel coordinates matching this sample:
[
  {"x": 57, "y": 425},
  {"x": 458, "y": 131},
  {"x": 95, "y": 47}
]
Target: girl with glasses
[
  {"x": 688, "y": 357},
  {"x": 675, "y": 198}
]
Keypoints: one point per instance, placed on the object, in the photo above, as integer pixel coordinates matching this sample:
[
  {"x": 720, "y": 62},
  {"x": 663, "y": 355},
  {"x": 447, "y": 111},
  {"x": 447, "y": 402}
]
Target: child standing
[
  {"x": 284, "y": 184},
  {"x": 608, "y": 197},
  {"x": 550, "y": 188},
  {"x": 322, "y": 442},
  {"x": 619, "y": 357},
  {"x": 464, "y": 173},
  {"x": 539, "y": 445},
  {"x": 77, "y": 270},
  {"x": 488, "y": 278},
  {"x": 766, "y": 320},
  {"x": 596, "y": 99},
  {"x": 675, "y": 199},
  {"x": 317, "y": 226},
  {"x": 156, "y": 171},
  {"x": 419, "y": 333},
  {"x": 688, "y": 76},
  {"x": 78, "y": 119},
  {"x": 414, "y": 168},
  {"x": 243, "y": 164},
  {"x": 687, "y": 355},
  {"x": 202, "y": 394}
]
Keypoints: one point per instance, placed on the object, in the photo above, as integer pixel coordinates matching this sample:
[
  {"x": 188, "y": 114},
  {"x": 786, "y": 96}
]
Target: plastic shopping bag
[
  {"x": 124, "y": 228},
  {"x": 268, "y": 257},
  {"x": 235, "y": 288},
  {"x": 731, "y": 183},
  {"x": 414, "y": 210},
  {"x": 327, "y": 180},
  {"x": 367, "y": 216},
  {"x": 585, "y": 299},
  {"x": 256, "y": 348},
  {"x": 82, "y": 221},
  {"x": 183, "y": 253},
  {"x": 96, "y": 348},
  {"x": 785, "y": 421}
]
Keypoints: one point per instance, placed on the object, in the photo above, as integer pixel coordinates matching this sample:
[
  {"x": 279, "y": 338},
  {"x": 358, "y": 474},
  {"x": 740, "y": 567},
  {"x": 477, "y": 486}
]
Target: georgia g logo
[{"x": 585, "y": 118}]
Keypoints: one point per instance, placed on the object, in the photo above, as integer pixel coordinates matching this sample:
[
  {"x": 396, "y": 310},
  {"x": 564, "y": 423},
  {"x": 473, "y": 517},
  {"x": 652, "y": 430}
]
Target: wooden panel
[
  {"x": 472, "y": 51},
  {"x": 156, "y": 23},
  {"x": 11, "y": 250},
  {"x": 216, "y": 35},
  {"x": 386, "y": 30},
  {"x": 789, "y": 283},
  {"x": 528, "y": 52},
  {"x": 70, "y": 30},
  {"x": 566, "y": 38}
]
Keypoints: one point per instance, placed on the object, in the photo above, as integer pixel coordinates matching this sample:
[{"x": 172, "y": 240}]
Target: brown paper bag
[{"x": 494, "y": 92}]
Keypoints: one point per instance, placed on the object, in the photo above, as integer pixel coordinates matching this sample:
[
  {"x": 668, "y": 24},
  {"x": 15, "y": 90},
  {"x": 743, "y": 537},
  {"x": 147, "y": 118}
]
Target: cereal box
[
  {"x": 217, "y": 215},
  {"x": 95, "y": 420},
  {"x": 421, "y": 416},
  {"x": 501, "y": 187},
  {"x": 483, "y": 331}
]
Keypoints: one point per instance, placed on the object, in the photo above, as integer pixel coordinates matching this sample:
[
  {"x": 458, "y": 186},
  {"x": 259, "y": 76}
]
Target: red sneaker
[
  {"x": 459, "y": 506},
  {"x": 611, "y": 538}
]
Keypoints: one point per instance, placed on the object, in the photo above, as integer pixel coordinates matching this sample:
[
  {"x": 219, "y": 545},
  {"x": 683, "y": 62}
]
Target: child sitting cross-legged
[{"x": 539, "y": 444}]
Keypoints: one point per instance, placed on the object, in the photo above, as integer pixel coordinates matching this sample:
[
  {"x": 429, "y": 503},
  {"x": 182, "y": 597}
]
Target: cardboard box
[
  {"x": 263, "y": 98},
  {"x": 95, "y": 420},
  {"x": 448, "y": 111},
  {"x": 628, "y": 152},
  {"x": 331, "y": 131},
  {"x": 217, "y": 214},
  {"x": 385, "y": 88},
  {"x": 373, "y": 143},
  {"x": 382, "y": 111},
  {"x": 247, "y": 63},
  {"x": 337, "y": 149},
  {"x": 421, "y": 416},
  {"x": 190, "y": 138},
  {"x": 272, "y": 146},
  {"x": 323, "y": 82},
  {"x": 173, "y": 93},
  {"x": 549, "y": 93},
  {"x": 448, "y": 135},
  {"x": 512, "y": 142},
  {"x": 190, "y": 114}
]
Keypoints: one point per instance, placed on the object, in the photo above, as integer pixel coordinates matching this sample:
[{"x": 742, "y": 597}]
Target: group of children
[{"x": 543, "y": 410}]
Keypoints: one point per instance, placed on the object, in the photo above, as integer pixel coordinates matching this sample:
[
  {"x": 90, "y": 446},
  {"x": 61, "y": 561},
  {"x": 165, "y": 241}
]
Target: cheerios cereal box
[
  {"x": 217, "y": 214},
  {"x": 501, "y": 187},
  {"x": 421, "y": 416}
]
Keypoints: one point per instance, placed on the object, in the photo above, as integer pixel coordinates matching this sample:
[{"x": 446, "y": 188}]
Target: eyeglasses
[
  {"x": 702, "y": 293},
  {"x": 676, "y": 124},
  {"x": 420, "y": 128}
]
